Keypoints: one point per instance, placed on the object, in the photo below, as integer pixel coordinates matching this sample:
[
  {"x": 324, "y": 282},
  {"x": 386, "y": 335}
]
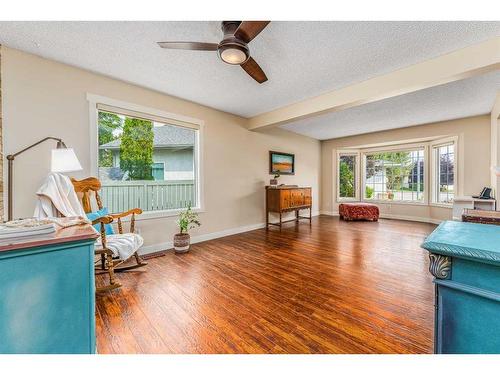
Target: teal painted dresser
[
  {"x": 465, "y": 263},
  {"x": 47, "y": 298}
]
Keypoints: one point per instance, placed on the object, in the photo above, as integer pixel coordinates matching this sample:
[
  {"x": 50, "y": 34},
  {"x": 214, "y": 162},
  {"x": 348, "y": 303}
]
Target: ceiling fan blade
[
  {"x": 254, "y": 70},
  {"x": 196, "y": 46},
  {"x": 247, "y": 30}
]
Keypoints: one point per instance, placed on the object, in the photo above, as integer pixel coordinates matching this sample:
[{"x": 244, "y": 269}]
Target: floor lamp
[{"x": 63, "y": 160}]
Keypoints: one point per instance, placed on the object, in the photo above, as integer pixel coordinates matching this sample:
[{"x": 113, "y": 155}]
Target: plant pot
[
  {"x": 273, "y": 182},
  {"x": 181, "y": 242}
]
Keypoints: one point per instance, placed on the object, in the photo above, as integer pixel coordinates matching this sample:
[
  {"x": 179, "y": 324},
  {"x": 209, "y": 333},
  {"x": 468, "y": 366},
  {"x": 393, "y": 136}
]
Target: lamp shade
[{"x": 64, "y": 160}]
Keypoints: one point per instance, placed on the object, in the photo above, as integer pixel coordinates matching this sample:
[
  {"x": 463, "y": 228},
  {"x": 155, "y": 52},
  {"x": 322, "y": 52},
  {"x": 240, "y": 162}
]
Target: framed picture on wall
[{"x": 281, "y": 162}]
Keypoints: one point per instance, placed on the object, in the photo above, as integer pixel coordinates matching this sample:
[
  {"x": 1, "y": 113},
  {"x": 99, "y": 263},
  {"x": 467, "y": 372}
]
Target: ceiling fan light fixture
[
  {"x": 233, "y": 56},
  {"x": 233, "y": 51}
]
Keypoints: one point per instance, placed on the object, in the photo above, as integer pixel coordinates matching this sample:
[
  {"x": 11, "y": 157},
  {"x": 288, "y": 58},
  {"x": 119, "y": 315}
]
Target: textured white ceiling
[
  {"x": 469, "y": 97},
  {"x": 301, "y": 59}
]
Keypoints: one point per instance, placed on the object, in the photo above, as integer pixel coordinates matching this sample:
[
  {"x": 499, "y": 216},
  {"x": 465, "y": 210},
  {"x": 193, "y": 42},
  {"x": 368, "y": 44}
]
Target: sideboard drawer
[
  {"x": 307, "y": 196},
  {"x": 297, "y": 197},
  {"x": 285, "y": 199}
]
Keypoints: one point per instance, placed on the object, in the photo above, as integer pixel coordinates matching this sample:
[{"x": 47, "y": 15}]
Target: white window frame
[
  {"x": 402, "y": 147},
  {"x": 357, "y": 175},
  {"x": 97, "y": 102},
  {"x": 434, "y": 180}
]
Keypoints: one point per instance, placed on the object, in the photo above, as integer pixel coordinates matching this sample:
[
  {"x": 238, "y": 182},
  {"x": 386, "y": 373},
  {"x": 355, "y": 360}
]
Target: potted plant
[
  {"x": 274, "y": 180},
  {"x": 187, "y": 220}
]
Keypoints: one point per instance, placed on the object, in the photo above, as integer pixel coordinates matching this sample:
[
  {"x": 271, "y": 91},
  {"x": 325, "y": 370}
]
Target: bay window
[{"x": 422, "y": 173}]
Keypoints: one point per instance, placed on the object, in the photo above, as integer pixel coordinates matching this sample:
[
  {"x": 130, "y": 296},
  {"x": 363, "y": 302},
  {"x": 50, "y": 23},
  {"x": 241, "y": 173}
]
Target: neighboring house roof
[{"x": 164, "y": 136}]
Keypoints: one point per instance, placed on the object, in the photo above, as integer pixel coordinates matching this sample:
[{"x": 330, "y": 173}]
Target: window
[
  {"x": 146, "y": 161},
  {"x": 418, "y": 173},
  {"x": 347, "y": 179},
  {"x": 159, "y": 171},
  {"x": 394, "y": 175},
  {"x": 443, "y": 173}
]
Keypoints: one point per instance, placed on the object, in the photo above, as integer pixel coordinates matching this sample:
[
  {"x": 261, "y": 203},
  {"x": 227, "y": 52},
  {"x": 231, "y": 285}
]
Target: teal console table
[
  {"x": 47, "y": 299},
  {"x": 465, "y": 263}
]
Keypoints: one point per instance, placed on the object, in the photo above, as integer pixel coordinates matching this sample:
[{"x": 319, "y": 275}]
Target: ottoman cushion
[{"x": 358, "y": 211}]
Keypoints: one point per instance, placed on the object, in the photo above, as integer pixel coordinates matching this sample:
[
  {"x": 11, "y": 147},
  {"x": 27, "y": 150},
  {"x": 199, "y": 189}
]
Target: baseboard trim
[
  {"x": 201, "y": 238},
  {"x": 394, "y": 217},
  {"x": 411, "y": 218},
  {"x": 154, "y": 254},
  {"x": 165, "y": 246},
  {"x": 329, "y": 213}
]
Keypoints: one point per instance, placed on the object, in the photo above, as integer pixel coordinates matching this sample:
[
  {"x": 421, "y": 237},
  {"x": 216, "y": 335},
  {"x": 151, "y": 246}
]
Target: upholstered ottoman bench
[{"x": 358, "y": 211}]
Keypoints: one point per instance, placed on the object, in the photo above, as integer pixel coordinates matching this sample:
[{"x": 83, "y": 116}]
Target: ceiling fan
[{"x": 233, "y": 49}]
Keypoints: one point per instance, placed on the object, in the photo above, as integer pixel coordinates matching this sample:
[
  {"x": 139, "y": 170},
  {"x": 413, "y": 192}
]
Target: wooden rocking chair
[{"x": 108, "y": 264}]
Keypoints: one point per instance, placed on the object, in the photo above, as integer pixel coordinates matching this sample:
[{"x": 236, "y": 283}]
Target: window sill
[
  {"x": 340, "y": 200},
  {"x": 149, "y": 215},
  {"x": 395, "y": 202}
]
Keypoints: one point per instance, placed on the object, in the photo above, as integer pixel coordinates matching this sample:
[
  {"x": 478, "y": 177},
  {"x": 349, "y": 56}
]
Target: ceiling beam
[{"x": 457, "y": 65}]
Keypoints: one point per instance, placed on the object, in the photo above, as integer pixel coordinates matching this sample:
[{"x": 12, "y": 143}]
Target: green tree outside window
[
  {"x": 398, "y": 165},
  {"x": 108, "y": 123},
  {"x": 347, "y": 182},
  {"x": 136, "y": 149}
]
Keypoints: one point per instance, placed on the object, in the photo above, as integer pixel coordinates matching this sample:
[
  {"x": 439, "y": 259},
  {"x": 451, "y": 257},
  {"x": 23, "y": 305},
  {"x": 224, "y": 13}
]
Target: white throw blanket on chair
[
  {"x": 57, "y": 197},
  {"x": 122, "y": 245}
]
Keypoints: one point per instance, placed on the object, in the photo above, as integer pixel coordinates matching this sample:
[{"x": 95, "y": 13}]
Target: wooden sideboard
[
  {"x": 47, "y": 293},
  {"x": 283, "y": 199}
]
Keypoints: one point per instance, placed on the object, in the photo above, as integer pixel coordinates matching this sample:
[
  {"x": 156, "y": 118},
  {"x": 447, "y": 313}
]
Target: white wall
[{"x": 45, "y": 98}]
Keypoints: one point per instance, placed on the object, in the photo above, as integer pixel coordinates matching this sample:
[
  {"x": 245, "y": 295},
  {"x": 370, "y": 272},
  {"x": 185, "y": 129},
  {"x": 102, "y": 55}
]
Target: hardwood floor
[{"x": 334, "y": 287}]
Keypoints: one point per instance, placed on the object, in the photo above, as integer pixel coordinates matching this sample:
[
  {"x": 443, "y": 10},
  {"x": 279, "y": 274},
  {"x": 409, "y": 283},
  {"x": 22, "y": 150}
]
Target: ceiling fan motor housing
[
  {"x": 229, "y": 27},
  {"x": 232, "y": 50}
]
